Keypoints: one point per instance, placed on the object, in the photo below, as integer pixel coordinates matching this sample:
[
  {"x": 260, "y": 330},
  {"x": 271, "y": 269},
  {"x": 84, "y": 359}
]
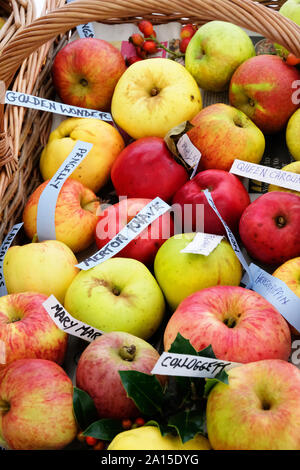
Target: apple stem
[
  {"x": 177, "y": 55},
  {"x": 127, "y": 353}
]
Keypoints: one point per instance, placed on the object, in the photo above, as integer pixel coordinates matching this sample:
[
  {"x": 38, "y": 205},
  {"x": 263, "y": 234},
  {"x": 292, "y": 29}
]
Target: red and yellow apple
[
  {"x": 222, "y": 133},
  {"x": 258, "y": 410},
  {"x": 145, "y": 245},
  {"x": 292, "y": 135},
  {"x": 86, "y": 71},
  {"x": 98, "y": 369},
  {"x": 262, "y": 87},
  {"x": 36, "y": 406},
  {"x": 239, "y": 324}
]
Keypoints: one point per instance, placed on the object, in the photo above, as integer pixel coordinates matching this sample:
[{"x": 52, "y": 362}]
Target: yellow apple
[
  {"x": 292, "y": 135},
  {"x": 294, "y": 167},
  {"x": 153, "y": 96},
  {"x": 150, "y": 438},
  {"x": 47, "y": 268},
  {"x": 94, "y": 171}
]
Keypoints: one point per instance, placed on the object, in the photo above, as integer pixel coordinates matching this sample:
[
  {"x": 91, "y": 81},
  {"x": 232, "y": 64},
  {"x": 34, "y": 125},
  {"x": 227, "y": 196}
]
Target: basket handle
[{"x": 244, "y": 13}]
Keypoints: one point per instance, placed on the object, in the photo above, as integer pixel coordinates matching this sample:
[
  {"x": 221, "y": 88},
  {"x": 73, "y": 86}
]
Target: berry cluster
[
  {"x": 186, "y": 34},
  {"x": 144, "y": 45}
]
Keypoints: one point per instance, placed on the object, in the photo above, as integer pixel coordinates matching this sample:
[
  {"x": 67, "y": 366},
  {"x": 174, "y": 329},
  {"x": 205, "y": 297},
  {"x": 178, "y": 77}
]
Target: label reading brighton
[
  {"x": 189, "y": 153},
  {"x": 266, "y": 174},
  {"x": 276, "y": 292},
  {"x": 187, "y": 365},
  {"x": 3, "y": 249},
  {"x": 203, "y": 244},
  {"x": 42, "y": 104},
  {"x": 47, "y": 203},
  {"x": 67, "y": 323},
  {"x": 145, "y": 217}
]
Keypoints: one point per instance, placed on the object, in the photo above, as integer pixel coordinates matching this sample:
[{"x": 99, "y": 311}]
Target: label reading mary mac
[{"x": 3, "y": 249}]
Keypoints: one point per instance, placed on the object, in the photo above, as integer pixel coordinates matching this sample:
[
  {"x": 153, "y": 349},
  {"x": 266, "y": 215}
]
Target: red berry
[
  {"x": 187, "y": 31},
  {"x": 150, "y": 47},
  {"x": 140, "y": 421},
  {"x": 145, "y": 27},
  {"x": 91, "y": 441},
  {"x": 132, "y": 60},
  {"x": 99, "y": 446},
  {"x": 126, "y": 423},
  {"x": 136, "y": 39},
  {"x": 292, "y": 59},
  {"x": 183, "y": 44},
  {"x": 141, "y": 52},
  {"x": 80, "y": 437}
]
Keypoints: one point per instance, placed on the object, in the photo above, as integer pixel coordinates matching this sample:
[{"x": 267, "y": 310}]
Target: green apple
[
  {"x": 291, "y": 10},
  {"x": 292, "y": 135},
  {"x": 119, "y": 294},
  {"x": 181, "y": 274},
  {"x": 214, "y": 53},
  {"x": 47, "y": 267}
]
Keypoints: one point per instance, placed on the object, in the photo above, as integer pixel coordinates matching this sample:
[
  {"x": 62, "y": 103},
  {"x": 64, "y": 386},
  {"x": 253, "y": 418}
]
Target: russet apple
[
  {"x": 98, "y": 369},
  {"x": 230, "y": 197},
  {"x": 47, "y": 268},
  {"x": 181, "y": 274},
  {"x": 153, "y": 96},
  {"x": 94, "y": 170},
  {"x": 294, "y": 167},
  {"x": 214, "y": 53},
  {"x": 144, "y": 246},
  {"x": 239, "y": 324},
  {"x": 119, "y": 294},
  {"x": 28, "y": 331},
  {"x": 258, "y": 410},
  {"x": 270, "y": 227},
  {"x": 147, "y": 169},
  {"x": 222, "y": 133},
  {"x": 292, "y": 135},
  {"x": 36, "y": 406},
  {"x": 86, "y": 71},
  {"x": 262, "y": 87},
  {"x": 75, "y": 214}
]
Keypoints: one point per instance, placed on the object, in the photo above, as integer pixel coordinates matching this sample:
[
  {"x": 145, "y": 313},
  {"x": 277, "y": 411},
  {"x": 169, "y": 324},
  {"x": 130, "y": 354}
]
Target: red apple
[
  {"x": 229, "y": 195},
  {"x": 75, "y": 214},
  {"x": 86, "y": 71},
  {"x": 144, "y": 246},
  {"x": 98, "y": 371},
  {"x": 146, "y": 168},
  {"x": 239, "y": 324},
  {"x": 270, "y": 227},
  {"x": 28, "y": 331},
  {"x": 36, "y": 406},
  {"x": 262, "y": 87}
]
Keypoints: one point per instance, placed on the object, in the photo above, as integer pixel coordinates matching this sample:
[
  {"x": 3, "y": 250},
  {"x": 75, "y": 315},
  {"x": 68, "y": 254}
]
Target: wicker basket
[{"x": 26, "y": 60}]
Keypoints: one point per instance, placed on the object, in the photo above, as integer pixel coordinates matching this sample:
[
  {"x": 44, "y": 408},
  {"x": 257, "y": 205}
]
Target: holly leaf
[
  {"x": 182, "y": 345},
  {"x": 211, "y": 383},
  {"x": 188, "y": 423},
  {"x": 84, "y": 408},
  {"x": 207, "y": 352},
  {"x": 145, "y": 390},
  {"x": 104, "y": 429}
]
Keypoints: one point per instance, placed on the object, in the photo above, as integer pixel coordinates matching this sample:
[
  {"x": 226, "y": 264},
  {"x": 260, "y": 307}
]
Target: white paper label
[
  {"x": 3, "y": 249},
  {"x": 189, "y": 153},
  {"x": 29, "y": 101},
  {"x": 67, "y": 323},
  {"x": 286, "y": 179},
  {"x": 187, "y": 365},
  {"x": 276, "y": 292},
  {"x": 2, "y": 352},
  {"x": 145, "y": 217},
  {"x": 231, "y": 237},
  {"x": 203, "y": 244},
  {"x": 45, "y": 222},
  {"x": 84, "y": 30}
]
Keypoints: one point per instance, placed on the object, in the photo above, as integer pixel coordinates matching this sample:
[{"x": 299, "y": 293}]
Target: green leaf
[
  {"x": 84, "y": 408},
  {"x": 182, "y": 345},
  {"x": 211, "y": 383},
  {"x": 207, "y": 352},
  {"x": 188, "y": 424},
  {"x": 145, "y": 390},
  {"x": 104, "y": 429}
]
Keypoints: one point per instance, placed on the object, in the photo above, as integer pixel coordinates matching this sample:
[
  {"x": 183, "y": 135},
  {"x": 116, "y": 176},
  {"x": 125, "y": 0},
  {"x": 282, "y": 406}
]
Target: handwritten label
[
  {"x": 67, "y": 323},
  {"x": 145, "y": 217},
  {"x": 189, "y": 153},
  {"x": 276, "y": 292},
  {"x": 2, "y": 352},
  {"x": 187, "y": 365},
  {"x": 42, "y": 104},
  {"x": 3, "y": 249},
  {"x": 84, "y": 30},
  {"x": 203, "y": 244},
  {"x": 286, "y": 179},
  {"x": 47, "y": 203},
  {"x": 231, "y": 237}
]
